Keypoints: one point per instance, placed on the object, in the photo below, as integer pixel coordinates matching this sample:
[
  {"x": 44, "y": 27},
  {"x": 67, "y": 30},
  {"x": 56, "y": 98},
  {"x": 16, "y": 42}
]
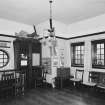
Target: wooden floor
[{"x": 49, "y": 96}]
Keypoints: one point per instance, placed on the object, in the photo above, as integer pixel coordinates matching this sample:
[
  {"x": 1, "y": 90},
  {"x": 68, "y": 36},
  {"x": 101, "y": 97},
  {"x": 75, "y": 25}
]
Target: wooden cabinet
[
  {"x": 24, "y": 49},
  {"x": 36, "y": 74},
  {"x": 62, "y": 78},
  {"x": 63, "y": 72}
]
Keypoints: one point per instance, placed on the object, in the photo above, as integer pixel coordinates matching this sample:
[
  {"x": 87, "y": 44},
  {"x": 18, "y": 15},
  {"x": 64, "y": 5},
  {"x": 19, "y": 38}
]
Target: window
[
  {"x": 4, "y": 58},
  {"x": 98, "y": 56},
  {"x": 77, "y": 54}
]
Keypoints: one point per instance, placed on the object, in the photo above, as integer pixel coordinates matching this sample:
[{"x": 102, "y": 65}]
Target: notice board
[{"x": 46, "y": 62}]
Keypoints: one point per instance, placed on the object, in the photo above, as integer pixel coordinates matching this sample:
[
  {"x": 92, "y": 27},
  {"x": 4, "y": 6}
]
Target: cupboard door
[{"x": 102, "y": 80}]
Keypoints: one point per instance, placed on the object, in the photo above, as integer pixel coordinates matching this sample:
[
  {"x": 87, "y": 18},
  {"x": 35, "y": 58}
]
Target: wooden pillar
[
  {"x": 16, "y": 55},
  {"x": 30, "y": 66},
  {"x": 40, "y": 53}
]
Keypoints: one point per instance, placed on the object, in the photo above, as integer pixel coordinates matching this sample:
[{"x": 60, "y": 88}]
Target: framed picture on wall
[
  {"x": 35, "y": 59},
  {"x": 55, "y": 62},
  {"x": 61, "y": 57},
  {"x": 46, "y": 62}
]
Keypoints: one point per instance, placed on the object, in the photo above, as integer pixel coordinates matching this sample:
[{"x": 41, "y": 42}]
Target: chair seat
[
  {"x": 100, "y": 85},
  {"x": 75, "y": 80},
  {"x": 89, "y": 84}
]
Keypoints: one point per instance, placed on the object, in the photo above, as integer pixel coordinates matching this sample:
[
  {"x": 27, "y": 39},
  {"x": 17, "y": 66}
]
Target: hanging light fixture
[{"x": 51, "y": 31}]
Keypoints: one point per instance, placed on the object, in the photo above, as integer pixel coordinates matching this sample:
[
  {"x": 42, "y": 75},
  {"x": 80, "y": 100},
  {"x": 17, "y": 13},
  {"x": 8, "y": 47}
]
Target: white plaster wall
[
  {"x": 87, "y": 55},
  {"x": 92, "y": 25},
  {"x": 10, "y": 27},
  {"x": 10, "y": 51}
]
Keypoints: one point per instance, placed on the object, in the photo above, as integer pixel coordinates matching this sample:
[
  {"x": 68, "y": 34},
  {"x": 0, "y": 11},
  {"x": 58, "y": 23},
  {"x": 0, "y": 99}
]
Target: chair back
[
  {"x": 79, "y": 74},
  {"x": 44, "y": 73},
  {"x": 93, "y": 77},
  {"x": 8, "y": 76},
  {"x": 7, "y": 79}
]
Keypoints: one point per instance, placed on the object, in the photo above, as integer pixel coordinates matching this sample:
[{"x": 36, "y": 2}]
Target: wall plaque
[{"x": 5, "y": 44}]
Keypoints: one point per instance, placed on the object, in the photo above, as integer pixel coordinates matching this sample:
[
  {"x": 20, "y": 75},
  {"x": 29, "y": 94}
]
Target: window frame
[
  {"x": 3, "y": 58},
  {"x": 94, "y": 53},
  {"x": 73, "y": 55}
]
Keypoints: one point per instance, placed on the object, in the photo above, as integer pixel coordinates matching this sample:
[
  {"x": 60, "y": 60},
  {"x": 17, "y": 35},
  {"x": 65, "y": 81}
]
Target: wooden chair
[
  {"x": 90, "y": 83},
  {"x": 7, "y": 87},
  {"x": 40, "y": 80},
  {"x": 19, "y": 84},
  {"x": 78, "y": 78},
  {"x": 100, "y": 82}
]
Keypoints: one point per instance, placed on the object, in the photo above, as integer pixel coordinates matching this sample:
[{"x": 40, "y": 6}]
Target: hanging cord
[{"x": 50, "y": 14}]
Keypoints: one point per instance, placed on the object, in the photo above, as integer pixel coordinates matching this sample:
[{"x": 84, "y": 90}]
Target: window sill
[
  {"x": 98, "y": 67},
  {"x": 74, "y": 65}
]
